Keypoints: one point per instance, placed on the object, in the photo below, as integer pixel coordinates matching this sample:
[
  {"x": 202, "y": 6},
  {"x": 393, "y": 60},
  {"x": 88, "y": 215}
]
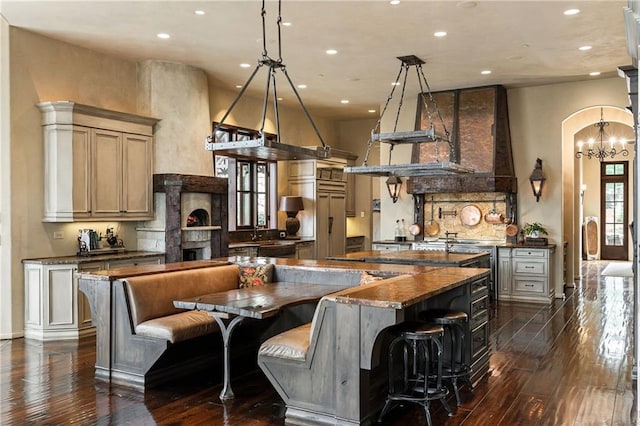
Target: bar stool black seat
[
  {"x": 418, "y": 378},
  {"x": 455, "y": 365}
]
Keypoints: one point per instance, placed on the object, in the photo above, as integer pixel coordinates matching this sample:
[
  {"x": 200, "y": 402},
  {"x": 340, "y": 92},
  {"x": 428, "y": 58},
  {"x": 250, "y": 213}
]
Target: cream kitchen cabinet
[
  {"x": 54, "y": 308},
  {"x": 324, "y": 196},
  {"x": 524, "y": 274},
  {"x": 305, "y": 249},
  {"x": 98, "y": 163}
]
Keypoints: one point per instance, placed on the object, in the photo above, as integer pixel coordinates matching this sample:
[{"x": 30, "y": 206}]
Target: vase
[{"x": 534, "y": 234}]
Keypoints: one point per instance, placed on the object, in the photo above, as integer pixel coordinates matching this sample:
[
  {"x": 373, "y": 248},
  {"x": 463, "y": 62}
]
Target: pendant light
[
  {"x": 268, "y": 148},
  {"x": 413, "y": 136}
]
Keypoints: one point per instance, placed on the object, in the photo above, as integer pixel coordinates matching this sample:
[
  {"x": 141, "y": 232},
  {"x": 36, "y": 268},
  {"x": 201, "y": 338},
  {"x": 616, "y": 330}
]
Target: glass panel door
[{"x": 613, "y": 204}]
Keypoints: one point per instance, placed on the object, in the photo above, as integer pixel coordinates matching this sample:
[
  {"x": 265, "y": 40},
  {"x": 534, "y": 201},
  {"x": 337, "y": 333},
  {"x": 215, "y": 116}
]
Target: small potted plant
[{"x": 534, "y": 230}]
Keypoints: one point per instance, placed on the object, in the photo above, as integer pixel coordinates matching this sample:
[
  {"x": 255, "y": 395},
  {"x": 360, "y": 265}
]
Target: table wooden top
[{"x": 258, "y": 302}]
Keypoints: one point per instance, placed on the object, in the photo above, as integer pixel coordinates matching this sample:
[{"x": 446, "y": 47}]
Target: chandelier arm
[
  {"x": 386, "y": 104},
  {"x": 304, "y": 108},
  {"x": 426, "y": 108},
  {"x": 235, "y": 101},
  {"x": 435, "y": 104},
  {"x": 275, "y": 106},
  {"x": 279, "y": 36},
  {"x": 266, "y": 99},
  {"x": 263, "y": 14},
  {"x": 404, "y": 85}
]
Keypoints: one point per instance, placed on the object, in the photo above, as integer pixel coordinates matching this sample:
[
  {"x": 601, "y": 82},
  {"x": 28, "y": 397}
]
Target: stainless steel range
[{"x": 461, "y": 245}]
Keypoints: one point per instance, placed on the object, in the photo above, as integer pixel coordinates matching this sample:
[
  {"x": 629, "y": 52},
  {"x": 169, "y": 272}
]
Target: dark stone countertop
[{"x": 65, "y": 260}]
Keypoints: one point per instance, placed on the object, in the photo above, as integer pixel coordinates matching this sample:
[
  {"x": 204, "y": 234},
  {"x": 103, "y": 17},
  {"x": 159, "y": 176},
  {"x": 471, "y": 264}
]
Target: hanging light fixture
[
  {"x": 263, "y": 147},
  {"x": 537, "y": 179},
  {"x": 394, "y": 183},
  {"x": 599, "y": 150},
  {"x": 413, "y": 136}
]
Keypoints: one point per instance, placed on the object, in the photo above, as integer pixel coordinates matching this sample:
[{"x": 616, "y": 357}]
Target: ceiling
[{"x": 522, "y": 42}]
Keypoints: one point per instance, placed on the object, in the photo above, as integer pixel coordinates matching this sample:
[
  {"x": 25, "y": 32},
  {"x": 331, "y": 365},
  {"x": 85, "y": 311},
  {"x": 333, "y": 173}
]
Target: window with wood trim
[{"x": 252, "y": 183}]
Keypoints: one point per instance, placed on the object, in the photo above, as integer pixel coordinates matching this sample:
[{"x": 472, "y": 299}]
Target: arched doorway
[{"x": 582, "y": 176}]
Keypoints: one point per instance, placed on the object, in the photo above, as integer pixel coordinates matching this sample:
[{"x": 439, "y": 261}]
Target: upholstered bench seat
[
  {"x": 291, "y": 344},
  {"x": 178, "y": 327}
]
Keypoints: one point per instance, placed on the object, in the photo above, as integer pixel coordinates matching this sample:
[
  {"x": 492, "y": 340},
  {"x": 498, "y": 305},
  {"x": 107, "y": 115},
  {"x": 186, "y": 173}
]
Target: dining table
[{"x": 230, "y": 308}]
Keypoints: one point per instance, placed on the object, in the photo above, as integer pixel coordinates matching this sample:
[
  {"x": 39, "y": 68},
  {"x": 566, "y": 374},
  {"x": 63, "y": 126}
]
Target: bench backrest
[
  {"x": 152, "y": 296},
  {"x": 316, "y": 275}
]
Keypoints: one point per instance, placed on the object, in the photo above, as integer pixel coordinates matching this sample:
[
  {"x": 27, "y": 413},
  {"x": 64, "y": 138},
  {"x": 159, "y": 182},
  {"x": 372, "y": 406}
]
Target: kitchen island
[{"x": 341, "y": 377}]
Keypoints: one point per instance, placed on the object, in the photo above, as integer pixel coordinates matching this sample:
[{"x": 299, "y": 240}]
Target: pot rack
[
  {"x": 411, "y": 137},
  {"x": 263, "y": 147}
]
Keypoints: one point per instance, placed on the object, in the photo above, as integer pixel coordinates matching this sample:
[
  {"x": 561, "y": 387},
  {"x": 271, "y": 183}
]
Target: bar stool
[
  {"x": 418, "y": 378},
  {"x": 455, "y": 366}
]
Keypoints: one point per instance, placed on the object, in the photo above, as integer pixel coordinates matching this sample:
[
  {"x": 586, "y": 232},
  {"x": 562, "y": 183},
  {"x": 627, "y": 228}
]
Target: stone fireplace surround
[{"x": 176, "y": 196}]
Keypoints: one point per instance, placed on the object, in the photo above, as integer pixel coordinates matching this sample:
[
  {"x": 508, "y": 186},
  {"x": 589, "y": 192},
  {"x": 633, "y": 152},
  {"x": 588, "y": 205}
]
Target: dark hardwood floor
[{"x": 565, "y": 364}]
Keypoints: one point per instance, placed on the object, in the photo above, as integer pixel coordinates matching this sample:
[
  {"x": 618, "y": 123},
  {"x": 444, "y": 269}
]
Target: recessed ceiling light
[
  {"x": 394, "y": 2},
  {"x": 485, "y": 72},
  {"x": 344, "y": 101},
  {"x": 583, "y": 48},
  {"x": 372, "y": 110},
  {"x": 163, "y": 36},
  {"x": 302, "y": 86},
  {"x": 238, "y": 86},
  {"x": 199, "y": 12},
  {"x": 395, "y": 83},
  {"x": 331, "y": 51},
  {"x": 279, "y": 98},
  {"x": 287, "y": 24},
  {"x": 244, "y": 65},
  {"x": 570, "y": 12},
  {"x": 594, "y": 73},
  {"x": 440, "y": 33}
]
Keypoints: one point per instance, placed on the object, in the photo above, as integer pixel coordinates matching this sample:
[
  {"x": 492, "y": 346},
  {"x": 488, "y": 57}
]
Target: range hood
[{"x": 479, "y": 120}]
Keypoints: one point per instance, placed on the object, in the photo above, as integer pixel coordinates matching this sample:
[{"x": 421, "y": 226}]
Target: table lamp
[{"x": 292, "y": 205}]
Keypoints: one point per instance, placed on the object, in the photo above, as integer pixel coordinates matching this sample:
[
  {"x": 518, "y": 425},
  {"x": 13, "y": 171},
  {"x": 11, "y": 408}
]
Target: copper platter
[{"x": 470, "y": 215}]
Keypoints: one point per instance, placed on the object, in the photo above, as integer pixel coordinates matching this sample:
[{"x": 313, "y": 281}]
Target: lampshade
[{"x": 291, "y": 204}]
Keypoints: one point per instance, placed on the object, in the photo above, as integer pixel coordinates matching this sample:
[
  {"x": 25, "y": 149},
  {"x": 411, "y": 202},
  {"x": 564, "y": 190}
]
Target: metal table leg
[{"x": 227, "y": 328}]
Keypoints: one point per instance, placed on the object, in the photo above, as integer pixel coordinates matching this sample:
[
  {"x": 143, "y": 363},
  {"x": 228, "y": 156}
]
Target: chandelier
[
  {"x": 265, "y": 148},
  {"x": 605, "y": 147}
]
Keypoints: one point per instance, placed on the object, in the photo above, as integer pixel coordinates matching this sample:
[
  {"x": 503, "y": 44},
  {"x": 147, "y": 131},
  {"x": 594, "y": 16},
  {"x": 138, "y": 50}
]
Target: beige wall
[
  {"x": 43, "y": 69},
  {"x": 178, "y": 94},
  {"x": 353, "y": 136},
  {"x": 7, "y": 289}
]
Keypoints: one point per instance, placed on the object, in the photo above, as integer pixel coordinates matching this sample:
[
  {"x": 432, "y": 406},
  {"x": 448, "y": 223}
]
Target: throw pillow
[
  {"x": 255, "y": 275},
  {"x": 367, "y": 278}
]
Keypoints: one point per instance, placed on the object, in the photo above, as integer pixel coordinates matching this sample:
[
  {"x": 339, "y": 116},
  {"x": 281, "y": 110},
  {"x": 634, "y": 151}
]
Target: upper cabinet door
[
  {"x": 107, "y": 173},
  {"x": 81, "y": 169},
  {"x": 137, "y": 167}
]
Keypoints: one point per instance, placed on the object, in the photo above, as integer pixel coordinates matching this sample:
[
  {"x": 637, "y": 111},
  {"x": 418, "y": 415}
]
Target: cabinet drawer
[
  {"x": 479, "y": 305},
  {"x": 529, "y": 267},
  {"x": 529, "y": 284},
  {"x": 536, "y": 253},
  {"x": 478, "y": 288},
  {"x": 479, "y": 341}
]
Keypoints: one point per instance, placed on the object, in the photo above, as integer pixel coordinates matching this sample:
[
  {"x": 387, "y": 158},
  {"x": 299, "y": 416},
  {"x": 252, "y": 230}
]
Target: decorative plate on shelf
[
  {"x": 511, "y": 230},
  {"x": 470, "y": 215}
]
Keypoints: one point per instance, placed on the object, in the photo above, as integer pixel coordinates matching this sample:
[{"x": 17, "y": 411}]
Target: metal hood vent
[
  {"x": 479, "y": 120},
  {"x": 428, "y": 136},
  {"x": 268, "y": 148}
]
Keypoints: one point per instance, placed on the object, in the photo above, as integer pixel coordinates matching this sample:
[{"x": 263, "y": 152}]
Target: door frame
[{"x": 610, "y": 252}]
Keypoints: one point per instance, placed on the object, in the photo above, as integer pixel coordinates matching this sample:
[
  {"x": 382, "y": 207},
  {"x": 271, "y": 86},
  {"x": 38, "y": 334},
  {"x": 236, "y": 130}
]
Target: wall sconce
[
  {"x": 393, "y": 186},
  {"x": 537, "y": 180},
  {"x": 291, "y": 205}
]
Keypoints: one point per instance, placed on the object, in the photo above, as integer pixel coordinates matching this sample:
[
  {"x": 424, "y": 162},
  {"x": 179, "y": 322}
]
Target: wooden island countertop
[
  {"x": 406, "y": 290},
  {"x": 415, "y": 257}
]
